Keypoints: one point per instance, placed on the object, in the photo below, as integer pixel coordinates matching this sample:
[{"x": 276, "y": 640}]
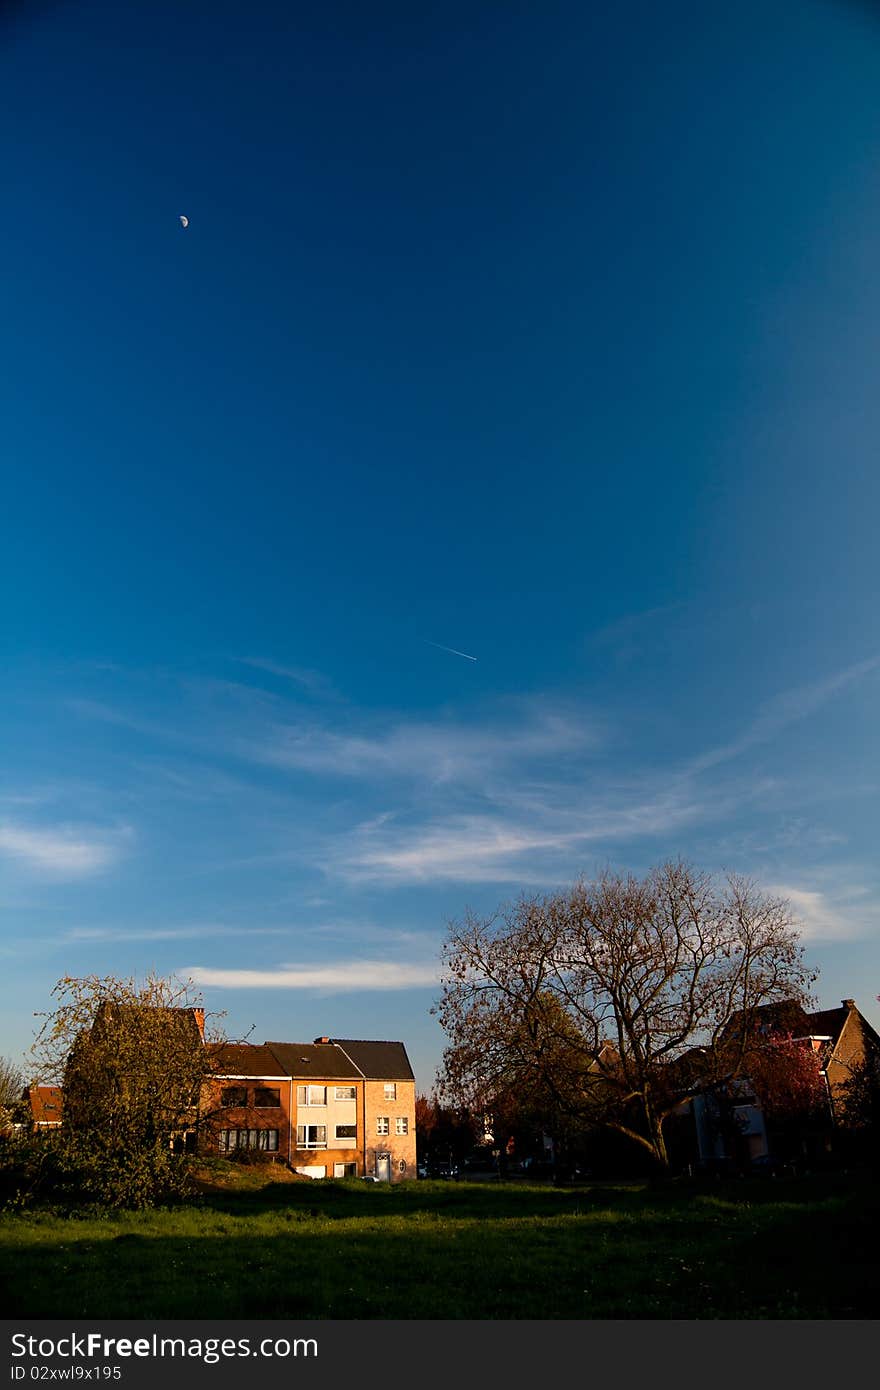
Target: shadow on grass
[
  {"x": 344, "y": 1199},
  {"x": 452, "y": 1251}
]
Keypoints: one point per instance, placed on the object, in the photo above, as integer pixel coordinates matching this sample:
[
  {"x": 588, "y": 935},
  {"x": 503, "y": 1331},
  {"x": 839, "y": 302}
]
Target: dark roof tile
[
  {"x": 379, "y": 1061},
  {"x": 323, "y": 1061}
]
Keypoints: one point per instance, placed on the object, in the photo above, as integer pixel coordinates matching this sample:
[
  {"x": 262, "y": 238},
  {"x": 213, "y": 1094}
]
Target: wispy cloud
[
  {"x": 784, "y": 709},
  {"x": 440, "y": 752},
  {"x": 310, "y": 680},
  {"x": 627, "y": 636},
  {"x": 110, "y": 714},
  {"x": 497, "y": 849},
  {"x": 63, "y": 851},
  {"x": 845, "y": 917},
  {"x": 122, "y": 933},
  {"x": 353, "y": 976}
]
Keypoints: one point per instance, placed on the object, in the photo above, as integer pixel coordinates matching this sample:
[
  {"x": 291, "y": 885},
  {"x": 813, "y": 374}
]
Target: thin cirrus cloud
[
  {"x": 493, "y": 848},
  {"x": 437, "y": 751},
  {"x": 122, "y": 934},
  {"x": 784, "y": 709},
  {"x": 349, "y": 977},
  {"x": 529, "y": 838},
  {"x": 821, "y": 919},
  {"x": 61, "y": 852},
  {"x": 304, "y": 676}
]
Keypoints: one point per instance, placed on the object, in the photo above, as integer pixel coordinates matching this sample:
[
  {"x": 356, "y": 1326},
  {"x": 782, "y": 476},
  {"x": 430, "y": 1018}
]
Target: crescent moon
[{"x": 184, "y": 221}]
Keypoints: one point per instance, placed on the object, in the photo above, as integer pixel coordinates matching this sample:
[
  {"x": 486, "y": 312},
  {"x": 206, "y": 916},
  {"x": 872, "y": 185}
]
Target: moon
[{"x": 184, "y": 221}]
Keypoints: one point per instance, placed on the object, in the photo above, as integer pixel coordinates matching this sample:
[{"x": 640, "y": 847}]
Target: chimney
[
  {"x": 322, "y": 1040},
  {"x": 848, "y": 1003}
]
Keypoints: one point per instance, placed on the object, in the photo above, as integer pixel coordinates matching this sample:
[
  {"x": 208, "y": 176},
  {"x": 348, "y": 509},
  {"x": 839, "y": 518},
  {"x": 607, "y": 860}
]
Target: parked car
[
  {"x": 480, "y": 1163},
  {"x": 573, "y": 1172},
  {"x": 443, "y": 1170},
  {"x": 538, "y": 1167}
]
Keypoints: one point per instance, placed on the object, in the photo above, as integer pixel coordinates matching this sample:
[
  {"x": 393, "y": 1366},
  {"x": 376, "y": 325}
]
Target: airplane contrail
[{"x": 450, "y": 649}]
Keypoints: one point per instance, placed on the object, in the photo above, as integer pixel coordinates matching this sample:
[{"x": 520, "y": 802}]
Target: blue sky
[{"x": 545, "y": 333}]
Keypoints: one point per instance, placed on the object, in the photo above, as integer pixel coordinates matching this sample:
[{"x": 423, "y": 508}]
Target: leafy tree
[
  {"x": 133, "y": 1060},
  {"x": 443, "y": 1132},
  {"x": 858, "y": 1107},
  {"x": 787, "y": 1078},
  {"x": 583, "y": 1000}
]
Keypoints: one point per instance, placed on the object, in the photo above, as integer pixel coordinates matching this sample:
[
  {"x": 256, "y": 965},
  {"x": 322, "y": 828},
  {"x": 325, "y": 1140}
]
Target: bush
[
  {"x": 128, "y": 1177},
  {"x": 32, "y": 1168}
]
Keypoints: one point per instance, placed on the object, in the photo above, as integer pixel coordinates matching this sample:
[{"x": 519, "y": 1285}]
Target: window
[
  {"x": 382, "y": 1124},
  {"x": 401, "y": 1125},
  {"x": 346, "y": 1093},
  {"x": 391, "y": 1090},
  {"x": 267, "y": 1097},
  {"x": 233, "y": 1095},
  {"x": 311, "y": 1095},
  {"x": 345, "y": 1170},
  {"x": 265, "y": 1140},
  {"x": 346, "y": 1132},
  {"x": 311, "y": 1136}
]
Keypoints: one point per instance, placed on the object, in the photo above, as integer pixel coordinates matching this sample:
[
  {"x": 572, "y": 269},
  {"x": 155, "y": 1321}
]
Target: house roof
[
  {"x": 828, "y": 1022},
  {"x": 323, "y": 1061},
  {"x": 790, "y": 1017},
  {"x": 377, "y": 1061},
  {"x": 783, "y": 1016},
  {"x": 245, "y": 1059},
  {"x": 349, "y": 1058},
  {"x": 184, "y": 1021},
  {"x": 45, "y": 1103}
]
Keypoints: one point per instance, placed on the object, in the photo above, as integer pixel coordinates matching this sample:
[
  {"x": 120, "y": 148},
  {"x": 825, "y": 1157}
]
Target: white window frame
[
  {"x": 390, "y": 1090},
  {"x": 401, "y": 1125},
  {"x": 302, "y": 1137},
  {"x": 346, "y": 1093},
  {"x": 305, "y": 1095},
  {"x": 253, "y": 1139},
  {"x": 383, "y": 1125},
  {"x": 345, "y": 1139}
]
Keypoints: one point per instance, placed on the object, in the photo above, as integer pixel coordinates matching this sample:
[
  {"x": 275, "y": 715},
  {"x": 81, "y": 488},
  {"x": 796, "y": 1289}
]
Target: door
[{"x": 383, "y": 1167}]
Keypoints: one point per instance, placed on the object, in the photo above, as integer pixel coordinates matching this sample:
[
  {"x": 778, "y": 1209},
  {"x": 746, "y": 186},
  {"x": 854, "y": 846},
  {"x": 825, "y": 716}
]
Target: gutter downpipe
[
  {"x": 289, "y": 1121},
  {"x": 363, "y": 1101}
]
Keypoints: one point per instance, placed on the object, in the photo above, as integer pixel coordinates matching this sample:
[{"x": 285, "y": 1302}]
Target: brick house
[
  {"x": 848, "y": 1041},
  {"x": 389, "y": 1107},
  {"x": 43, "y": 1106},
  {"x": 842, "y": 1041},
  {"x": 246, "y": 1104},
  {"x": 331, "y": 1108}
]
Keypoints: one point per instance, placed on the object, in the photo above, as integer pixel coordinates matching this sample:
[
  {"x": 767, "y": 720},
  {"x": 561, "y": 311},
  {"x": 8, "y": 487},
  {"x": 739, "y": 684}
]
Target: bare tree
[
  {"x": 11, "y": 1086},
  {"x": 595, "y": 998}
]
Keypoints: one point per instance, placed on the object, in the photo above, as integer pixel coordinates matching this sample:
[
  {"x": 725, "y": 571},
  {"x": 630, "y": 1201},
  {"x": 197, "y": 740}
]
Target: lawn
[{"x": 757, "y": 1248}]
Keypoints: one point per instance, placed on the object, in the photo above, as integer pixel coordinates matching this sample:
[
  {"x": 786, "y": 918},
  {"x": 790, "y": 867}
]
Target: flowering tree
[{"x": 787, "y": 1077}]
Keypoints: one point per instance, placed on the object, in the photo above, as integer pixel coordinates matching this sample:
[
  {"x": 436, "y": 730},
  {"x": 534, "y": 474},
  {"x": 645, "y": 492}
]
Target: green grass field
[{"x": 785, "y": 1248}]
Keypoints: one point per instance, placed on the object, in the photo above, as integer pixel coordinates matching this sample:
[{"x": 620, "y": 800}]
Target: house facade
[
  {"x": 329, "y": 1108},
  {"x": 389, "y": 1108},
  {"x": 246, "y": 1104},
  {"x": 738, "y": 1130}
]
